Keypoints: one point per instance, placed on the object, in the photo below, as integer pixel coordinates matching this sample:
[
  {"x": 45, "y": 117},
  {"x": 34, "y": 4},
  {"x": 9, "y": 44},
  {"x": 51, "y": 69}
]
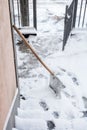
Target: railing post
[
  {"x": 34, "y": 14},
  {"x": 80, "y": 12},
  {"x": 75, "y": 12},
  {"x": 24, "y": 9},
  {"x": 84, "y": 14},
  {"x": 18, "y": 6},
  {"x": 64, "y": 37},
  {"x": 13, "y": 13}
]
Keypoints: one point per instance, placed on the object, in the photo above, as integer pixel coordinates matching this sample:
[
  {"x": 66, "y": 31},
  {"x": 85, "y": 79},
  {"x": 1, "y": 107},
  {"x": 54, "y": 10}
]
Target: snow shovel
[{"x": 55, "y": 83}]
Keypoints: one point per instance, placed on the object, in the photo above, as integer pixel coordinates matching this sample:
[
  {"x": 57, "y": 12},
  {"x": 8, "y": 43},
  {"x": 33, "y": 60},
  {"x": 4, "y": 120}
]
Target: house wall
[{"x": 7, "y": 68}]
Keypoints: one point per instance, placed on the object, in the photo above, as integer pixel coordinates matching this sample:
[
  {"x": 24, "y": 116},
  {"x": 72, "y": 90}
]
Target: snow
[
  {"x": 70, "y": 66},
  {"x": 14, "y": 129},
  {"x": 38, "y": 114},
  {"x": 30, "y": 124}
]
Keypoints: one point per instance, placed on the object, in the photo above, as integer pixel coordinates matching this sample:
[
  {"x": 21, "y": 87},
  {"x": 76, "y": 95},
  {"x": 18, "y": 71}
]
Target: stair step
[
  {"x": 38, "y": 114},
  {"x": 30, "y": 124},
  {"x": 40, "y": 124},
  {"x": 28, "y": 30},
  {"x": 30, "y": 104},
  {"x": 14, "y": 129}
]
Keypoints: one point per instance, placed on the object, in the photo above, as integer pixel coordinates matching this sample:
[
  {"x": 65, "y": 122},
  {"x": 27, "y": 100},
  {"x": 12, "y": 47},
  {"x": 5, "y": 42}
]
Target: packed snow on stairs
[
  {"x": 39, "y": 108},
  {"x": 43, "y": 120}
]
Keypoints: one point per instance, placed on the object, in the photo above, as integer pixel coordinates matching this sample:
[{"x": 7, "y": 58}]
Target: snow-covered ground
[{"x": 70, "y": 111}]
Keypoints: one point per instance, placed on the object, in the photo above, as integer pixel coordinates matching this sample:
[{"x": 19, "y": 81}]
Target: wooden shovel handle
[{"x": 33, "y": 51}]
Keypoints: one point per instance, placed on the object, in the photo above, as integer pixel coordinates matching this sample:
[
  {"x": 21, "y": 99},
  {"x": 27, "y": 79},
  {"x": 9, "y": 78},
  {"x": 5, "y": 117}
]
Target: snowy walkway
[{"x": 40, "y": 109}]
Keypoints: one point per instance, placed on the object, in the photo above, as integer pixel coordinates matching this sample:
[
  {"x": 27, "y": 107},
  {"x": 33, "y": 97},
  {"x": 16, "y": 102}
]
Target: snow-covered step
[
  {"x": 38, "y": 114},
  {"x": 30, "y": 124},
  {"x": 54, "y": 124},
  {"x": 40, "y": 124},
  {"x": 28, "y": 31},
  {"x": 80, "y": 124},
  {"x": 14, "y": 129},
  {"x": 77, "y": 42},
  {"x": 30, "y": 104}
]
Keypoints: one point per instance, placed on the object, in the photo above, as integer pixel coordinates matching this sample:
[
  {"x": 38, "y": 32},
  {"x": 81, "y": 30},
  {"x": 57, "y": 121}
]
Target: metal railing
[
  {"x": 31, "y": 13},
  {"x": 82, "y": 13},
  {"x": 70, "y": 20}
]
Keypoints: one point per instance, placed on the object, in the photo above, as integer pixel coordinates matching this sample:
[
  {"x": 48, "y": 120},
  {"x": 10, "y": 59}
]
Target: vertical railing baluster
[
  {"x": 34, "y": 14},
  {"x": 80, "y": 13},
  {"x": 75, "y": 12},
  {"x": 65, "y": 22},
  {"x": 84, "y": 14},
  {"x": 18, "y": 12},
  {"x": 13, "y": 11}
]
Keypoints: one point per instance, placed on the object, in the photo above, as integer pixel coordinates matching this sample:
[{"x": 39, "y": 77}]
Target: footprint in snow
[
  {"x": 75, "y": 80},
  {"x": 22, "y": 97},
  {"x": 50, "y": 125},
  {"x": 72, "y": 76},
  {"x": 63, "y": 69},
  {"x": 84, "y": 113},
  {"x": 44, "y": 105},
  {"x": 85, "y": 101},
  {"x": 41, "y": 76},
  {"x": 55, "y": 114}
]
